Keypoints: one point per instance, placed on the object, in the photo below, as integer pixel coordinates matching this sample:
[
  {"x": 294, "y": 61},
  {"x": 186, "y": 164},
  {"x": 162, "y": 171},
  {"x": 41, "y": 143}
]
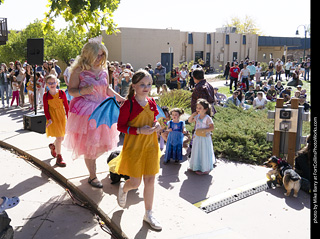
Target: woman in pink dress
[{"x": 89, "y": 87}]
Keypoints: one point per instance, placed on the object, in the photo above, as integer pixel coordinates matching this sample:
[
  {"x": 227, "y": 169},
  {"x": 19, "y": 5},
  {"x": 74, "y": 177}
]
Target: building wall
[{"x": 142, "y": 46}]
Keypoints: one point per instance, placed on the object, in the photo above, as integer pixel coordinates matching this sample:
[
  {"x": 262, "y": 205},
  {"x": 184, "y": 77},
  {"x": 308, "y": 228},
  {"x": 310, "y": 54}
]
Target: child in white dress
[{"x": 202, "y": 154}]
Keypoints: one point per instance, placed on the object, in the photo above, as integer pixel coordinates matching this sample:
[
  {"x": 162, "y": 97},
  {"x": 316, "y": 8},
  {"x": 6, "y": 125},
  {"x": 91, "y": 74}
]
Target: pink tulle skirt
[{"x": 82, "y": 136}]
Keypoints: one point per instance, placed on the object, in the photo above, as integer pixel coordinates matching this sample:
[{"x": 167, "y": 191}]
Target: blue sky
[{"x": 273, "y": 17}]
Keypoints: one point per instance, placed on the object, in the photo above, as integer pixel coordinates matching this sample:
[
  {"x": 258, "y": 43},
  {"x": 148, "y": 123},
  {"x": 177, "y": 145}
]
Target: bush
[
  {"x": 240, "y": 135},
  {"x": 176, "y": 98}
]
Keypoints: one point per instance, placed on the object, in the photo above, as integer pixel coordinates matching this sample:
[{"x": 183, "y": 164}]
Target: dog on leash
[
  {"x": 115, "y": 178},
  {"x": 283, "y": 173}
]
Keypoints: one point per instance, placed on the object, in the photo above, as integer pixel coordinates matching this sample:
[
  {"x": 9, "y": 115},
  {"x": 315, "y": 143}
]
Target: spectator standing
[
  {"x": 226, "y": 71},
  {"x": 244, "y": 76},
  {"x": 151, "y": 72},
  {"x": 20, "y": 73},
  {"x": 252, "y": 70},
  {"x": 287, "y": 68},
  {"x": 160, "y": 74},
  {"x": 56, "y": 67},
  {"x": 307, "y": 68},
  {"x": 174, "y": 80},
  {"x": 278, "y": 70},
  {"x": 183, "y": 77},
  {"x": 202, "y": 90},
  {"x": 270, "y": 69},
  {"x": 66, "y": 73},
  {"x": 4, "y": 83},
  {"x": 234, "y": 74},
  {"x": 258, "y": 74}
]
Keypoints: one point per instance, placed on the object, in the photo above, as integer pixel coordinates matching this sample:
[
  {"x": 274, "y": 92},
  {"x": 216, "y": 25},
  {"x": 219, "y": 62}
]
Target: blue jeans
[
  {"x": 4, "y": 88},
  {"x": 306, "y": 71}
]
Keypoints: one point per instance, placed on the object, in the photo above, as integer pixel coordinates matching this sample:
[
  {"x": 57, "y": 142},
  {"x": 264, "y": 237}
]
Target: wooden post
[
  {"x": 292, "y": 136},
  {"x": 277, "y": 133}
]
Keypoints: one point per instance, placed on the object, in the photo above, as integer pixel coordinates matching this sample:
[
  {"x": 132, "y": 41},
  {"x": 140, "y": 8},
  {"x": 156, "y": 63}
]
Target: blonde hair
[
  {"x": 88, "y": 56},
  {"x": 137, "y": 76}
]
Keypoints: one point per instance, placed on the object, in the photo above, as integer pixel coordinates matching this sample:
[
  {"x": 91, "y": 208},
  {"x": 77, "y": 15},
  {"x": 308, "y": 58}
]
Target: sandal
[
  {"x": 53, "y": 150},
  {"x": 8, "y": 203},
  {"x": 95, "y": 184}
]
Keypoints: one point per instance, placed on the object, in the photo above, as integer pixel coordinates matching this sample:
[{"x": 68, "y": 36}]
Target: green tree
[
  {"x": 90, "y": 15},
  {"x": 68, "y": 44},
  {"x": 63, "y": 44},
  {"x": 244, "y": 26}
]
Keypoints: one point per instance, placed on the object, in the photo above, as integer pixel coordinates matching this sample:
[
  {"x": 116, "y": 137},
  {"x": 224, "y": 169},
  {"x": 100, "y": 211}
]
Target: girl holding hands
[
  {"x": 140, "y": 155},
  {"x": 89, "y": 86},
  {"x": 202, "y": 154}
]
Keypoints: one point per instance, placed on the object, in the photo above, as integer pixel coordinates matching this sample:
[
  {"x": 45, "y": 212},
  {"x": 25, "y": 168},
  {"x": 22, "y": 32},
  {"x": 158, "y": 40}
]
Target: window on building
[
  {"x": 198, "y": 55},
  {"x": 244, "y": 39},
  {"x": 271, "y": 55},
  {"x": 208, "y": 39},
  {"x": 190, "y": 38},
  {"x": 208, "y": 59},
  {"x": 264, "y": 56},
  {"x": 227, "y": 40}
]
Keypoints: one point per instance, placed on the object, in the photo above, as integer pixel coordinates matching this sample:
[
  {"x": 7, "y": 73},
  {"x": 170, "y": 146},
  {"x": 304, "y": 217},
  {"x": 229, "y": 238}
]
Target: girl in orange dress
[
  {"x": 55, "y": 109},
  {"x": 140, "y": 155}
]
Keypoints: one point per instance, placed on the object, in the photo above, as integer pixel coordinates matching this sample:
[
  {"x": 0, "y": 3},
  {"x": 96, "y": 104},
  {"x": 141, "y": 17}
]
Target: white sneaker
[
  {"x": 122, "y": 196},
  {"x": 148, "y": 217}
]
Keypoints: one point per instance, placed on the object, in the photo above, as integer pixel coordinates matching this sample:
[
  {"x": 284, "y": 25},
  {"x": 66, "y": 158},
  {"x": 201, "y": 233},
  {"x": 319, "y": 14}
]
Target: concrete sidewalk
[
  {"x": 175, "y": 193},
  {"x": 45, "y": 208}
]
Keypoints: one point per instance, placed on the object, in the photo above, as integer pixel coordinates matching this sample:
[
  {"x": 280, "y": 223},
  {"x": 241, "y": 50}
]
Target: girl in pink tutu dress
[{"x": 89, "y": 87}]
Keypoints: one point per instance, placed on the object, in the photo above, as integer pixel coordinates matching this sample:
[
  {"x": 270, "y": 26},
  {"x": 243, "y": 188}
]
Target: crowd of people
[
  {"x": 19, "y": 80},
  {"x": 91, "y": 79},
  {"x": 251, "y": 91}
]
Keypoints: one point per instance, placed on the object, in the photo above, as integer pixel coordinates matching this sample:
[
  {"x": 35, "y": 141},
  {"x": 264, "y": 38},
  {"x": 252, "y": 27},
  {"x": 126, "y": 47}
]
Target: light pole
[{"x": 305, "y": 38}]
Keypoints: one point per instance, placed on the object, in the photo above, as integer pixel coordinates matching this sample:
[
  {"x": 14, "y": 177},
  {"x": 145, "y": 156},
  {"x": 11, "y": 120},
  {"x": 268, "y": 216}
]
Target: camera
[{"x": 285, "y": 114}]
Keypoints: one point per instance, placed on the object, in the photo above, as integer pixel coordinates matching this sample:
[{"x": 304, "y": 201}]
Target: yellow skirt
[
  {"x": 58, "y": 117},
  {"x": 140, "y": 154}
]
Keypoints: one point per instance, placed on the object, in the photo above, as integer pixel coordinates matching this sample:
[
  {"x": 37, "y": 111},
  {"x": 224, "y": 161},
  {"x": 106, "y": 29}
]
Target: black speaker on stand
[{"x": 35, "y": 122}]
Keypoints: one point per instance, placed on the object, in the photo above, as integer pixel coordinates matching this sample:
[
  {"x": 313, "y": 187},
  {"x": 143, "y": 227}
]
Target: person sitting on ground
[
  {"x": 249, "y": 96},
  {"x": 286, "y": 94},
  {"x": 241, "y": 97},
  {"x": 299, "y": 87},
  {"x": 270, "y": 81},
  {"x": 265, "y": 86},
  {"x": 272, "y": 94},
  {"x": 303, "y": 93},
  {"x": 304, "y": 103},
  {"x": 233, "y": 100},
  {"x": 279, "y": 87},
  {"x": 242, "y": 86},
  {"x": 221, "y": 98},
  {"x": 259, "y": 102}
]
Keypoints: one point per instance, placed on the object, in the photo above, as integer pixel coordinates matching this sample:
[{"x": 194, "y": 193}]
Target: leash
[{"x": 78, "y": 202}]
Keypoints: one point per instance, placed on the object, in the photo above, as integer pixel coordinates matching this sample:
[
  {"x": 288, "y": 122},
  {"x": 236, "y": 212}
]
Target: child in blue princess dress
[{"x": 176, "y": 129}]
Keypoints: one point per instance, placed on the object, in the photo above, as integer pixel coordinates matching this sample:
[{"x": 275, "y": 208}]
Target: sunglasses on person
[{"x": 51, "y": 83}]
